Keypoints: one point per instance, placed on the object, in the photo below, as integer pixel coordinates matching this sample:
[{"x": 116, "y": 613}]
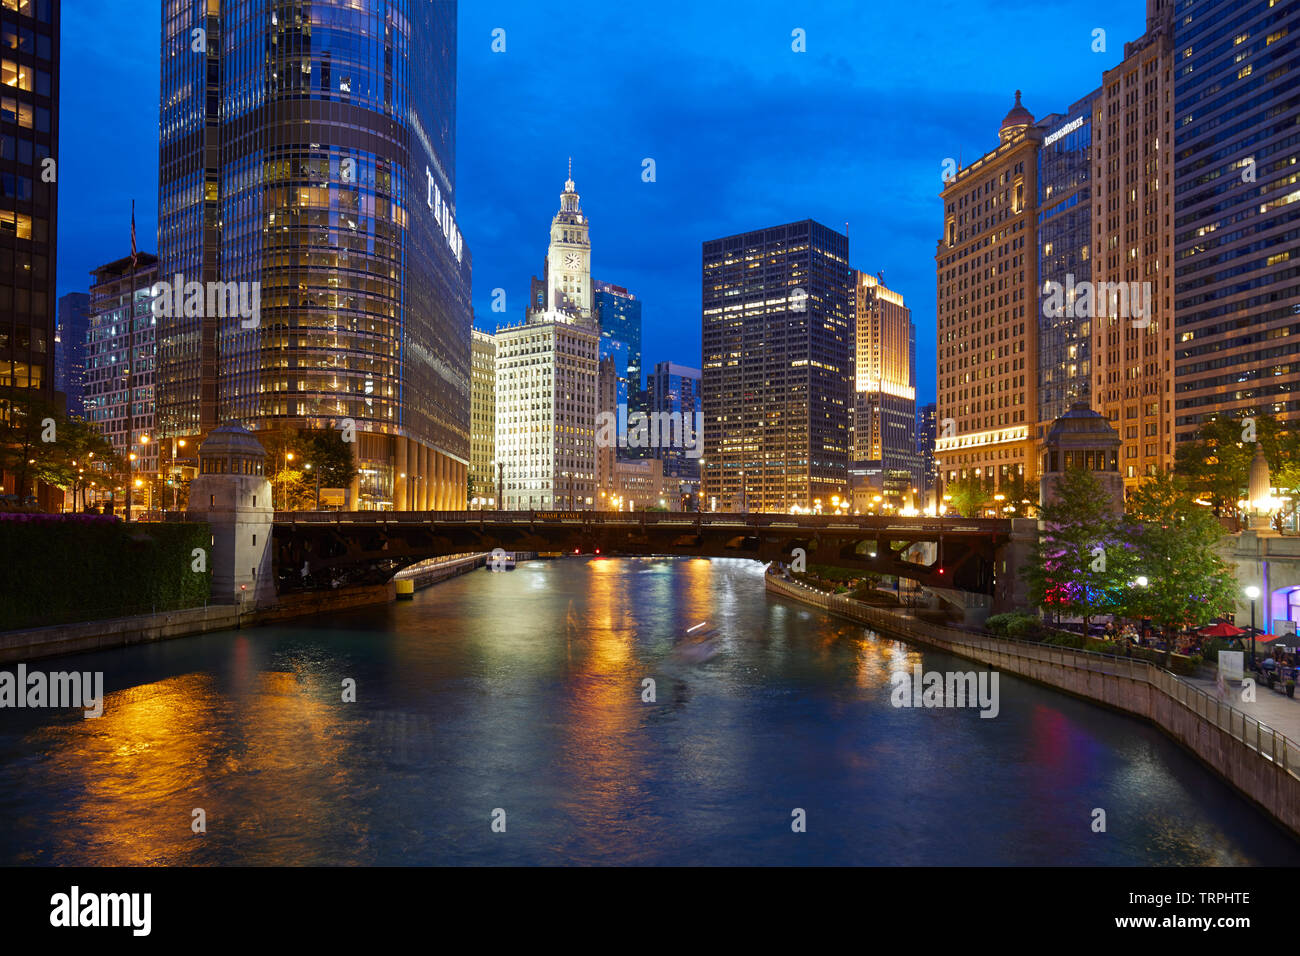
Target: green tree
[
  {"x": 1173, "y": 541},
  {"x": 969, "y": 496},
  {"x": 1216, "y": 465},
  {"x": 288, "y": 453},
  {"x": 1080, "y": 566},
  {"x": 1019, "y": 500}
]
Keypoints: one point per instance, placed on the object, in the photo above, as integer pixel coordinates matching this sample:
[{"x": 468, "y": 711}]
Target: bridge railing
[
  {"x": 674, "y": 518},
  {"x": 1270, "y": 744}
]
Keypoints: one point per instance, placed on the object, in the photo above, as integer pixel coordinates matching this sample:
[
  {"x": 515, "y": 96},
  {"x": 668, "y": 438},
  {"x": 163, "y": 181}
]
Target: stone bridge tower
[{"x": 232, "y": 495}]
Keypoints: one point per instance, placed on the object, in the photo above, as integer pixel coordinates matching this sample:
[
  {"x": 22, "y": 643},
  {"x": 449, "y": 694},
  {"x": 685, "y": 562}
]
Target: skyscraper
[
  {"x": 1133, "y": 229},
  {"x": 884, "y": 459},
  {"x": 987, "y": 264},
  {"x": 927, "y": 430},
  {"x": 29, "y": 136},
  {"x": 777, "y": 319},
  {"x": 110, "y": 348},
  {"x": 70, "y": 349},
  {"x": 483, "y": 418},
  {"x": 547, "y": 377},
  {"x": 1065, "y": 259},
  {"x": 673, "y": 394},
  {"x": 1236, "y": 210},
  {"x": 618, "y": 314},
  {"x": 307, "y": 162}
]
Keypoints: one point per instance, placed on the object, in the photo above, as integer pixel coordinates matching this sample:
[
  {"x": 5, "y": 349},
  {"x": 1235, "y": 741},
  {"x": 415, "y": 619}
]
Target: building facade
[
  {"x": 618, "y": 314},
  {"x": 307, "y": 171},
  {"x": 1236, "y": 211},
  {"x": 1133, "y": 229},
  {"x": 546, "y": 370},
  {"x": 987, "y": 266},
  {"x": 927, "y": 431},
  {"x": 1064, "y": 319},
  {"x": 884, "y": 459},
  {"x": 110, "y": 371},
  {"x": 776, "y": 372},
  {"x": 70, "y": 349},
  {"x": 29, "y": 133},
  {"x": 483, "y": 420},
  {"x": 673, "y": 394}
]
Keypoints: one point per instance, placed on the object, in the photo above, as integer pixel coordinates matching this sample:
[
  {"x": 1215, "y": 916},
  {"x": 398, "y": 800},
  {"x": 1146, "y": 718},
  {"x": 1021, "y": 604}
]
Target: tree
[
  {"x": 1019, "y": 500},
  {"x": 38, "y": 443},
  {"x": 1080, "y": 566},
  {"x": 289, "y": 452},
  {"x": 969, "y": 496},
  {"x": 1216, "y": 465},
  {"x": 1172, "y": 541}
]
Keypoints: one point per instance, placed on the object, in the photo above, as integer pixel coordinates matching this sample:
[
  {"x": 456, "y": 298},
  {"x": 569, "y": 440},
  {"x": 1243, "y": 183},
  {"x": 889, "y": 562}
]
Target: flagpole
[{"x": 130, "y": 373}]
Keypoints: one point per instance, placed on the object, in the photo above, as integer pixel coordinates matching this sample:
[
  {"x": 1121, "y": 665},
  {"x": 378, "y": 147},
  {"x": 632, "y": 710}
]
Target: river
[{"x": 503, "y": 718}]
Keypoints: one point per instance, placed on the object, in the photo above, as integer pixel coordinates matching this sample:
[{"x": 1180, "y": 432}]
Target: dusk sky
[{"x": 744, "y": 132}]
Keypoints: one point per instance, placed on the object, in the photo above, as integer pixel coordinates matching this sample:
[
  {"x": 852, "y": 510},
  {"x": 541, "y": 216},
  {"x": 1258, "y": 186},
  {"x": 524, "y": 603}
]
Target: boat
[{"x": 701, "y": 643}]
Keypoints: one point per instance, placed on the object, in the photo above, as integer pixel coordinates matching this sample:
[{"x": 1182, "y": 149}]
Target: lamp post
[
  {"x": 284, "y": 481},
  {"x": 317, "y": 474},
  {"x": 1252, "y": 592}
]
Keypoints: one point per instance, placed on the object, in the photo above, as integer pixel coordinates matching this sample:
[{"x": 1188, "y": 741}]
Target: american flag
[{"x": 133, "y": 252}]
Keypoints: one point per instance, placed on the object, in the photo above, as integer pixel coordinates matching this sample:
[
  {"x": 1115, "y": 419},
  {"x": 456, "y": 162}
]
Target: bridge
[{"x": 314, "y": 550}]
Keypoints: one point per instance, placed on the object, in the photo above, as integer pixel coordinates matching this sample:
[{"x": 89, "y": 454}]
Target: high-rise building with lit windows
[
  {"x": 777, "y": 368},
  {"x": 310, "y": 148},
  {"x": 987, "y": 267},
  {"x": 483, "y": 419},
  {"x": 1065, "y": 254},
  {"x": 1236, "y": 210},
  {"x": 29, "y": 136},
  {"x": 1133, "y": 228},
  {"x": 884, "y": 460}
]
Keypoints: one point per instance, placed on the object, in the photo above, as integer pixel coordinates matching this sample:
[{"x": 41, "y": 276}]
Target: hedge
[{"x": 58, "y": 569}]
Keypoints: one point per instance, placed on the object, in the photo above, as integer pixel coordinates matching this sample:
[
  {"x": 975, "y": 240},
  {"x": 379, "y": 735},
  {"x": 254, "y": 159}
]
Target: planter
[{"x": 1290, "y": 689}]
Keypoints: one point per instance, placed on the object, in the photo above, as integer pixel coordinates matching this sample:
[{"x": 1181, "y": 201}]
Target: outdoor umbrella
[{"x": 1221, "y": 629}]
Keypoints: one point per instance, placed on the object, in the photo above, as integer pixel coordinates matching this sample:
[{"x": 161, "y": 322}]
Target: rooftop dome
[
  {"x": 231, "y": 443},
  {"x": 1080, "y": 419},
  {"x": 1019, "y": 118}
]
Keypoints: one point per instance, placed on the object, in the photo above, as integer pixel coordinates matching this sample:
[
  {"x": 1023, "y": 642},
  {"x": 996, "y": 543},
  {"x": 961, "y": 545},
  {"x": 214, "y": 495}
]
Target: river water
[{"x": 516, "y": 698}]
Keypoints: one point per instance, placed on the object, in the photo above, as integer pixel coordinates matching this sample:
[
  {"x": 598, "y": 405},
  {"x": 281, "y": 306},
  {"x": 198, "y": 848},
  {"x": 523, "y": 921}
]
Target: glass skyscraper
[
  {"x": 70, "y": 349},
  {"x": 309, "y": 148},
  {"x": 618, "y": 313},
  {"x": 1064, "y": 260},
  {"x": 1236, "y": 210}
]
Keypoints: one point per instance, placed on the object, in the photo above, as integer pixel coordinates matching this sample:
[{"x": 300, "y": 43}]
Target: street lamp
[
  {"x": 1252, "y": 592},
  {"x": 317, "y": 474}
]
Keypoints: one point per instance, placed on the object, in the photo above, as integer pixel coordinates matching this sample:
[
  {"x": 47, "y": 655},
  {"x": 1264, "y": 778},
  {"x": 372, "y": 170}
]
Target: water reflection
[{"x": 524, "y": 691}]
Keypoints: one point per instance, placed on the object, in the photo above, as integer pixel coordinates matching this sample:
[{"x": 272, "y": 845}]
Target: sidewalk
[{"x": 1271, "y": 707}]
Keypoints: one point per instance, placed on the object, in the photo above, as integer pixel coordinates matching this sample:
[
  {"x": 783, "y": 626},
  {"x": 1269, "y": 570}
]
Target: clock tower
[{"x": 568, "y": 261}]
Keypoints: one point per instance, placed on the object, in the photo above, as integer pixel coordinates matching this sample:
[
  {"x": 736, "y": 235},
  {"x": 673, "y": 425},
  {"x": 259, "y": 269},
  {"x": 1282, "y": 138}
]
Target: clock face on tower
[{"x": 572, "y": 260}]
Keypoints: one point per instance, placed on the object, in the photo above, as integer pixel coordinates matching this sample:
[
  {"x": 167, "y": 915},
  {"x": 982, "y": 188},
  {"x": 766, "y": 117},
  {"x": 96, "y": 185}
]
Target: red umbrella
[{"x": 1221, "y": 629}]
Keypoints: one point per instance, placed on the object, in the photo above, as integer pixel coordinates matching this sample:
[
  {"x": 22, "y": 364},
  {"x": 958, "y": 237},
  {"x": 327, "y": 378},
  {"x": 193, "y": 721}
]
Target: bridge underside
[{"x": 314, "y": 555}]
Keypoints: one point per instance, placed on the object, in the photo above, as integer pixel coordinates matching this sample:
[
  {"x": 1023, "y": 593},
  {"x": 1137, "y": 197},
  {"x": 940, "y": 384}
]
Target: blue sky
[{"x": 744, "y": 131}]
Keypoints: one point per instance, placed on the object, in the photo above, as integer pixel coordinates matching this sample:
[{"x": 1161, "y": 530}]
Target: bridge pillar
[
  {"x": 232, "y": 495},
  {"x": 400, "y": 472},
  {"x": 1011, "y": 593}
]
